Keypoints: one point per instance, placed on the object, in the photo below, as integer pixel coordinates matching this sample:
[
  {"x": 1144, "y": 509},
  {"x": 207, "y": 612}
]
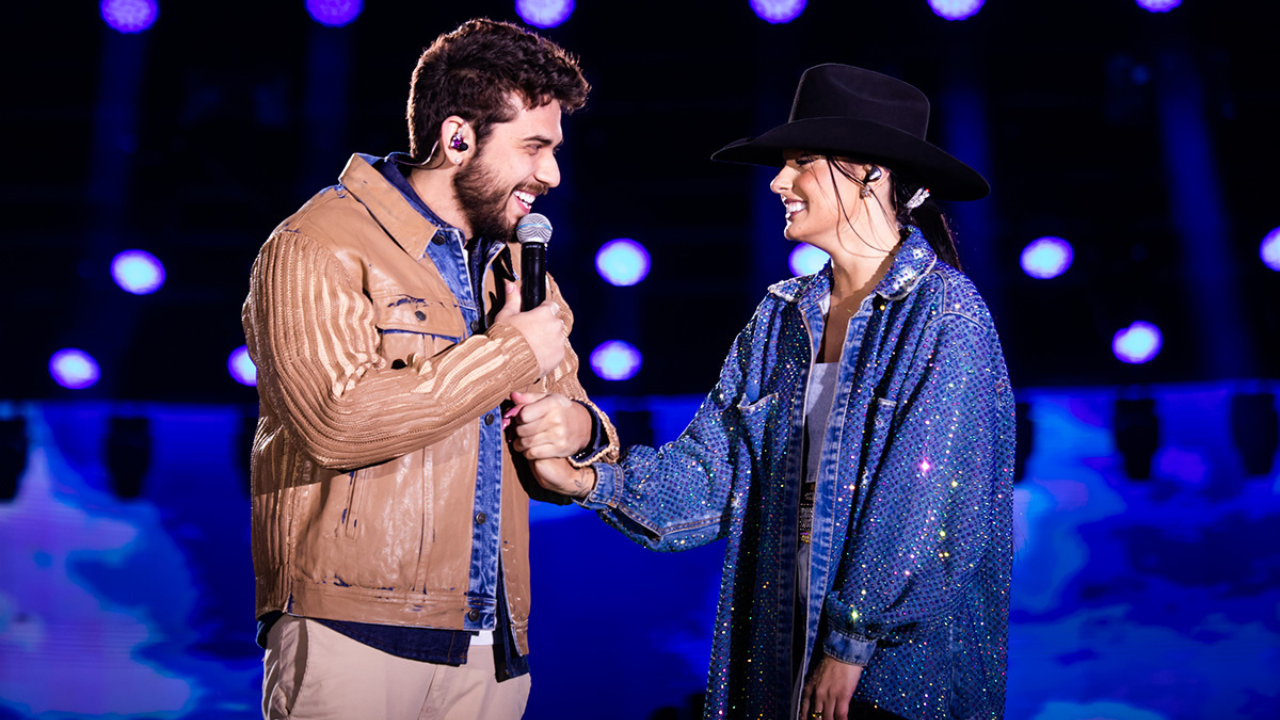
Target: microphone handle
[{"x": 533, "y": 274}]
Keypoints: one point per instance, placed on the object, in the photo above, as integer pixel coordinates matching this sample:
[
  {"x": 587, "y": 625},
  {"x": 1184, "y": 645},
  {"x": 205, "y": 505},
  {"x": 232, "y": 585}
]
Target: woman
[{"x": 857, "y": 452}]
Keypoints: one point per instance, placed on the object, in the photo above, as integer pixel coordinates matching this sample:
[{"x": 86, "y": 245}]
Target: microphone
[{"x": 533, "y": 232}]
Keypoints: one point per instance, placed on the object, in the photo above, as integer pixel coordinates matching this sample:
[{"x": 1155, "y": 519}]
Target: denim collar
[{"x": 915, "y": 258}]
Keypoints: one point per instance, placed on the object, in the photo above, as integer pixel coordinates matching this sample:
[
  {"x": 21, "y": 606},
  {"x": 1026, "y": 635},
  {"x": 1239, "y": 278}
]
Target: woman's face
[{"x": 808, "y": 187}]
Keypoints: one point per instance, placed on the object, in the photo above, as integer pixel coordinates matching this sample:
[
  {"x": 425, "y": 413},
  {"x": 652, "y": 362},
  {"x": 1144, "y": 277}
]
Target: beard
[{"x": 484, "y": 199}]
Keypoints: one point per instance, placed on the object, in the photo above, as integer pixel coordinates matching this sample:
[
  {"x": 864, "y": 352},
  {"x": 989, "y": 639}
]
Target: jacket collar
[
  {"x": 408, "y": 227},
  {"x": 914, "y": 260}
]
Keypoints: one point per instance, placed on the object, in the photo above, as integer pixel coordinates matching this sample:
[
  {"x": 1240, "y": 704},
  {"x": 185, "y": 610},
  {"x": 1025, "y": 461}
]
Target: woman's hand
[
  {"x": 558, "y": 476},
  {"x": 829, "y": 690}
]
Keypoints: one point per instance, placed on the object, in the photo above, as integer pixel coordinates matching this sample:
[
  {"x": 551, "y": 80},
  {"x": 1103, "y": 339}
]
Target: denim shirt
[{"x": 912, "y": 523}]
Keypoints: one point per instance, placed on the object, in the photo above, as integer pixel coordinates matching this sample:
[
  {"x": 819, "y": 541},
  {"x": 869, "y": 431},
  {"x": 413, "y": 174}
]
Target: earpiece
[
  {"x": 457, "y": 143},
  {"x": 872, "y": 175}
]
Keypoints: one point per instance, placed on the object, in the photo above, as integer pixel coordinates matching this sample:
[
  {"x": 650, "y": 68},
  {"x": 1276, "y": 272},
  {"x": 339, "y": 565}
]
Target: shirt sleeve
[
  {"x": 680, "y": 496},
  {"x": 935, "y": 501},
  {"x": 311, "y": 333}
]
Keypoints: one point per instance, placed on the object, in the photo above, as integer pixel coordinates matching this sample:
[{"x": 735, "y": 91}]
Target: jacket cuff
[
  {"x": 850, "y": 649},
  {"x": 606, "y": 493},
  {"x": 602, "y": 442}
]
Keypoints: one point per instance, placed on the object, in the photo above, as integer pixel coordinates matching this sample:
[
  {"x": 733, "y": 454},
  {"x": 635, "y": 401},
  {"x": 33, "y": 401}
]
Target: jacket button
[
  {"x": 480, "y": 518},
  {"x": 488, "y": 419},
  {"x": 420, "y": 315},
  {"x": 473, "y": 615},
  {"x": 475, "y": 326},
  {"x": 438, "y": 239}
]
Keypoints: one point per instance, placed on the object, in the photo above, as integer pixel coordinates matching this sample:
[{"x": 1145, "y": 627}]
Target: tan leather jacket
[{"x": 373, "y": 392}]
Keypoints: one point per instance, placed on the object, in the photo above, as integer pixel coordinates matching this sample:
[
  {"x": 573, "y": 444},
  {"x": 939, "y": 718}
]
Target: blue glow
[
  {"x": 129, "y": 16},
  {"x": 74, "y": 369},
  {"x": 137, "y": 272},
  {"x": 955, "y": 9},
  {"x": 1047, "y": 257},
  {"x": 334, "y": 13},
  {"x": 615, "y": 360},
  {"x": 544, "y": 13},
  {"x": 1159, "y": 6},
  {"x": 241, "y": 367},
  {"x": 622, "y": 262},
  {"x": 1138, "y": 343},
  {"x": 778, "y": 11},
  {"x": 1269, "y": 251},
  {"x": 807, "y": 259}
]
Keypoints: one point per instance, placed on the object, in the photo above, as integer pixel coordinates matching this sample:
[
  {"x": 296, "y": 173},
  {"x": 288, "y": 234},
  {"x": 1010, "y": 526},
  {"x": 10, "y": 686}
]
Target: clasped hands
[{"x": 547, "y": 428}]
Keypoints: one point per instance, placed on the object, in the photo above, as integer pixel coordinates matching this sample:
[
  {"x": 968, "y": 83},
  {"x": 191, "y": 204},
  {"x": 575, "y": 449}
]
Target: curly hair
[{"x": 472, "y": 72}]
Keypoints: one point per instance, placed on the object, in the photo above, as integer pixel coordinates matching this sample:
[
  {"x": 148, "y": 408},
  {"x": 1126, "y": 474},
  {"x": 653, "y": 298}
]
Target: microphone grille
[{"x": 534, "y": 227}]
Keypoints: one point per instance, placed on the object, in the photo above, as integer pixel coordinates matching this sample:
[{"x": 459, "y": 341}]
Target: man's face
[{"x": 513, "y": 166}]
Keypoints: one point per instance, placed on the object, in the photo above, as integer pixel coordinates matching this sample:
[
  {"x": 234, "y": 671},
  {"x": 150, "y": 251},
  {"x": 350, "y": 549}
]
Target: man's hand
[
  {"x": 558, "y": 476},
  {"x": 541, "y": 327},
  {"x": 829, "y": 691},
  {"x": 548, "y": 425}
]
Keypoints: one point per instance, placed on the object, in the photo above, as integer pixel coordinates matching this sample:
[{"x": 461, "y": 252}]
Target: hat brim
[{"x": 945, "y": 176}]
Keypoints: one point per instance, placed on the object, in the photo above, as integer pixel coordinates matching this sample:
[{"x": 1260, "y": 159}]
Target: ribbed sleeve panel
[{"x": 311, "y": 333}]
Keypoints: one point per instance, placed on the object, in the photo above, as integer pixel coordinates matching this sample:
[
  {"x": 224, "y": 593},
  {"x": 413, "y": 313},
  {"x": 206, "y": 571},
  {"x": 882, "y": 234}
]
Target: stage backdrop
[{"x": 1133, "y": 599}]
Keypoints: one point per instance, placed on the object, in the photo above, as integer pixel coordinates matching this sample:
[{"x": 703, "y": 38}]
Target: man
[{"x": 389, "y": 526}]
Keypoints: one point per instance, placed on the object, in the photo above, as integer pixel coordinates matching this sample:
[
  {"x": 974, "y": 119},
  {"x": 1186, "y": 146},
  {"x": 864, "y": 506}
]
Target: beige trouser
[{"x": 312, "y": 672}]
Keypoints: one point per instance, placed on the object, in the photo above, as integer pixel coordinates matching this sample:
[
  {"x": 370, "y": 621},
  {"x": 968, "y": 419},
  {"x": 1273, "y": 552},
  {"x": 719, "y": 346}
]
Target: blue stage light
[
  {"x": 129, "y": 16},
  {"x": 1138, "y": 343},
  {"x": 622, "y": 262},
  {"x": 615, "y": 360},
  {"x": 807, "y": 259},
  {"x": 74, "y": 369},
  {"x": 778, "y": 11},
  {"x": 241, "y": 367},
  {"x": 544, "y": 13},
  {"x": 137, "y": 272},
  {"x": 1269, "y": 251},
  {"x": 1159, "y": 6},
  {"x": 1047, "y": 257},
  {"x": 334, "y": 13},
  {"x": 955, "y": 9}
]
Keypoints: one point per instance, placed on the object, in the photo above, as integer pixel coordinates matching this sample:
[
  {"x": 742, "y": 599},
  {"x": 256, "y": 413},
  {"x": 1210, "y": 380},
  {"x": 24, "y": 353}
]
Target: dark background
[{"x": 193, "y": 139}]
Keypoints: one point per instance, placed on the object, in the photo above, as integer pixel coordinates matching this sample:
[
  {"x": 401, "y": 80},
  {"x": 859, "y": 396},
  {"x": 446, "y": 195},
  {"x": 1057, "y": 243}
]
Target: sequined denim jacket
[{"x": 913, "y": 514}]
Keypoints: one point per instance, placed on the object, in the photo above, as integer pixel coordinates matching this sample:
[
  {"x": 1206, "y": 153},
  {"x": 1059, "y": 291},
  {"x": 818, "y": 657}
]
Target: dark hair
[
  {"x": 927, "y": 216},
  {"x": 472, "y": 72}
]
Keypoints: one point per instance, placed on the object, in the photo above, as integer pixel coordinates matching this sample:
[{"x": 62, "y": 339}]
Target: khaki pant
[{"x": 312, "y": 672}]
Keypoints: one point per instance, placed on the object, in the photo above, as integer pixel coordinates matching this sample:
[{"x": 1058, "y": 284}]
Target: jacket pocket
[
  {"x": 879, "y": 424},
  {"x": 412, "y": 329}
]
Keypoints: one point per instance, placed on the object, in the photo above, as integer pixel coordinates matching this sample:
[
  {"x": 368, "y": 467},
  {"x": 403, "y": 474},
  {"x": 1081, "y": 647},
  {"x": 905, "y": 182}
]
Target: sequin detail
[{"x": 912, "y": 529}]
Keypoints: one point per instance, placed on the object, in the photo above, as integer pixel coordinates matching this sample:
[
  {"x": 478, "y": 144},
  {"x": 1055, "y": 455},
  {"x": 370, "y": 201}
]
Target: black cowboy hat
[{"x": 851, "y": 112}]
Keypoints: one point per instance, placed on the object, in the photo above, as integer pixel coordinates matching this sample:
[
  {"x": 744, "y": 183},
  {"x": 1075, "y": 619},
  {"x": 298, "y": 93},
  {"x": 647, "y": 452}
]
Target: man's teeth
[
  {"x": 793, "y": 207},
  {"x": 526, "y": 198}
]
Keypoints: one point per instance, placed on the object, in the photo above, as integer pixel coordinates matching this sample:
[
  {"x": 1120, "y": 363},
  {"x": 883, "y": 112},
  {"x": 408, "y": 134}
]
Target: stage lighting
[
  {"x": 1047, "y": 257},
  {"x": 74, "y": 369},
  {"x": 129, "y": 16},
  {"x": 615, "y": 360},
  {"x": 1137, "y": 433},
  {"x": 544, "y": 13},
  {"x": 128, "y": 455},
  {"x": 776, "y": 12},
  {"x": 1138, "y": 343},
  {"x": 806, "y": 259},
  {"x": 1158, "y": 6},
  {"x": 1269, "y": 250},
  {"x": 241, "y": 367},
  {"x": 955, "y": 9},
  {"x": 334, "y": 13},
  {"x": 137, "y": 272},
  {"x": 622, "y": 262},
  {"x": 13, "y": 456},
  {"x": 1255, "y": 429}
]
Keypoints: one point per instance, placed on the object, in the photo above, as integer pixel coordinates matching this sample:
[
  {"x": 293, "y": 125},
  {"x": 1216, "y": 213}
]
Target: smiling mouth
[
  {"x": 792, "y": 207},
  {"x": 525, "y": 199}
]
